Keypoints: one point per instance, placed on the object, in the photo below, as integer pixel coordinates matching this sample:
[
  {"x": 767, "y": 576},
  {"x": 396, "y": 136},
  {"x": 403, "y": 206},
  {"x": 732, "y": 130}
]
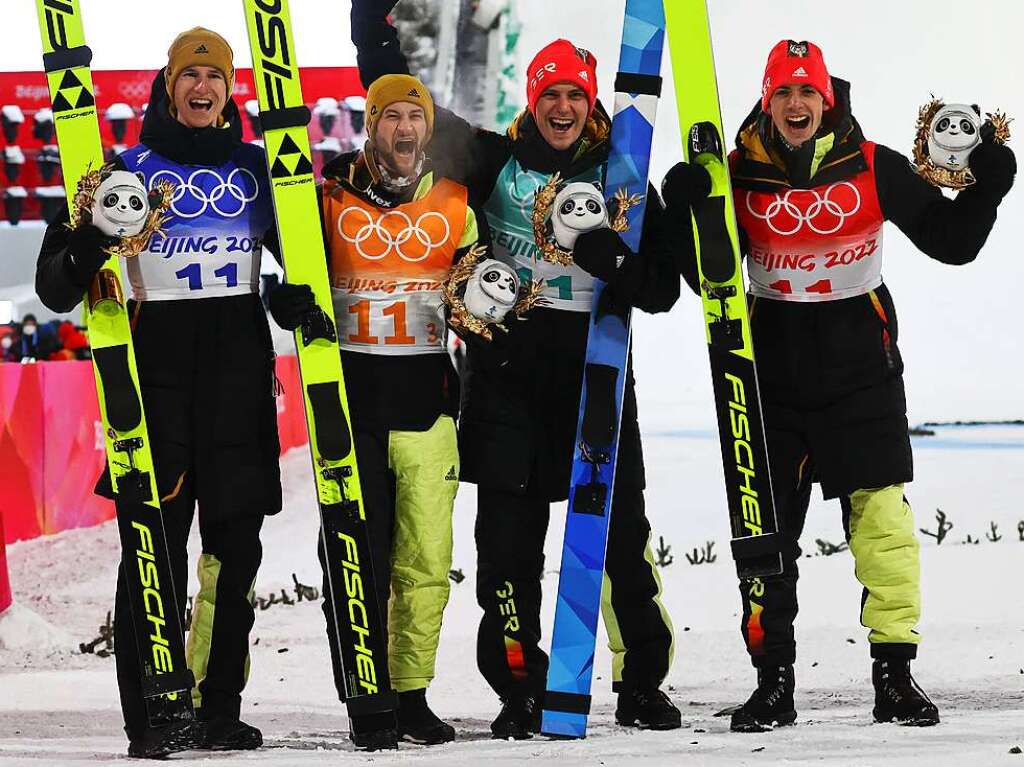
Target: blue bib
[{"x": 211, "y": 245}]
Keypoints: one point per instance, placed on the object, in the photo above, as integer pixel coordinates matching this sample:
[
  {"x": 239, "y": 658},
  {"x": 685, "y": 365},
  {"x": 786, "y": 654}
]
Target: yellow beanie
[
  {"x": 199, "y": 47},
  {"x": 393, "y": 88}
]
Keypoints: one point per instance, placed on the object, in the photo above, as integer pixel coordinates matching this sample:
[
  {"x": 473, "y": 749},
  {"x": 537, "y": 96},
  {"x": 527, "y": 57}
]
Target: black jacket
[
  {"x": 206, "y": 366},
  {"x": 521, "y": 396},
  {"x": 815, "y": 354}
]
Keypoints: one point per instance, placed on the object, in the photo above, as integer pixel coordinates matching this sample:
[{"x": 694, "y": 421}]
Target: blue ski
[{"x": 637, "y": 86}]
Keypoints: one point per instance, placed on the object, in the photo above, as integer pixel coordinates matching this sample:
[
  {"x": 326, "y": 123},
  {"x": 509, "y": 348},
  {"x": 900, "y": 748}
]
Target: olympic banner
[
  {"x": 51, "y": 445},
  {"x": 121, "y": 98}
]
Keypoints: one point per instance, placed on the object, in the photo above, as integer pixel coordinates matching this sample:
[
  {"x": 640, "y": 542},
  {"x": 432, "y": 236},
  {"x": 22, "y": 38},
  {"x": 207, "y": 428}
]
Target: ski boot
[
  {"x": 374, "y": 732},
  {"x": 159, "y": 742},
  {"x": 518, "y": 720},
  {"x": 770, "y": 705},
  {"x": 647, "y": 710},
  {"x": 418, "y": 724},
  {"x": 226, "y": 734},
  {"x": 898, "y": 697}
]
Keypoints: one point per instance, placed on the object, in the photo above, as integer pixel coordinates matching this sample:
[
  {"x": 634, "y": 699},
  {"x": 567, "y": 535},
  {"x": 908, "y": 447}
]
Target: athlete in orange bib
[
  {"x": 811, "y": 196},
  {"x": 392, "y": 232}
]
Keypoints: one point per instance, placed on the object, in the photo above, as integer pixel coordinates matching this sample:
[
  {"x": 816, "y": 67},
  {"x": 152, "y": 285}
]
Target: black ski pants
[
  {"x": 218, "y": 647},
  {"x": 510, "y": 533},
  {"x": 870, "y": 453}
]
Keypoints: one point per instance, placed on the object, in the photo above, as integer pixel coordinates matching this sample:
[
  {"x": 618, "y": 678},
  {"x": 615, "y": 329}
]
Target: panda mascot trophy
[
  {"x": 562, "y": 212},
  {"x": 480, "y": 293},
  {"x": 117, "y": 203},
  {"x": 946, "y": 136}
]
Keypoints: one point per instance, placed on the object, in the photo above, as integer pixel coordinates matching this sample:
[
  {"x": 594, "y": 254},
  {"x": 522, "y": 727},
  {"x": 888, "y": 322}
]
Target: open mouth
[
  {"x": 200, "y": 105},
  {"x": 405, "y": 147},
  {"x": 560, "y": 125},
  {"x": 799, "y": 123}
]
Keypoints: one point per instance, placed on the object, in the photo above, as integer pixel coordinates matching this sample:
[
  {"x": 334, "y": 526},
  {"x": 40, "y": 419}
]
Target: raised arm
[{"x": 952, "y": 231}]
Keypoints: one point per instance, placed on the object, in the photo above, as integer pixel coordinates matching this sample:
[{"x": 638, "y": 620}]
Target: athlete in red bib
[{"x": 811, "y": 195}]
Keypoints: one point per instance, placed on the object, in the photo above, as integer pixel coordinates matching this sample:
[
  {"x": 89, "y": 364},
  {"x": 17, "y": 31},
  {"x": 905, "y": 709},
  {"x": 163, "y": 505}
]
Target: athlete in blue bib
[{"x": 206, "y": 369}]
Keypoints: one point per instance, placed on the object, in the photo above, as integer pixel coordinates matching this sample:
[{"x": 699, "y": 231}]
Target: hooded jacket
[{"x": 206, "y": 365}]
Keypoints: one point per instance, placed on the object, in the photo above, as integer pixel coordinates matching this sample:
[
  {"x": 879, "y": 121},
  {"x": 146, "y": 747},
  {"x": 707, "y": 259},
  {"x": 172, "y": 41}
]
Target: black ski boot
[
  {"x": 770, "y": 705},
  {"x": 648, "y": 710},
  {"x": 159, "y": 742},
  {"x": 227, "y": 734},
  {"x": 374, "y": 732},
  {"x": 518, "y": 720},
  {"x": 898, "y": 697},
  {"x": 418, "y": 724}
]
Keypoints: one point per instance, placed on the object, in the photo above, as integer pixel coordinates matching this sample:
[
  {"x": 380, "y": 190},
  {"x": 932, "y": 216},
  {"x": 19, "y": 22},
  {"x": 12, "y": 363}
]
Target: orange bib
[{"x": 387, "y": 266}]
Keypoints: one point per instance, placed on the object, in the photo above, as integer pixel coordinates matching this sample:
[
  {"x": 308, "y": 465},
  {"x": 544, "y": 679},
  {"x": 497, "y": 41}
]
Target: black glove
[
  {"x": 685, "y": 185},
  {"x": 85, "y": 252},
  {"x": 600, "y": 253},
  {"x": 289, "y": 304},
  {"x": 993, "y": 166}
]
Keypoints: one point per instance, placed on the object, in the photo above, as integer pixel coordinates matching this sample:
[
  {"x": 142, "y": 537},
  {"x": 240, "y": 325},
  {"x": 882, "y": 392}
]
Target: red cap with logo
[
  {"x": 561, "y": 62},
  {"x": 796, "y": 63}
]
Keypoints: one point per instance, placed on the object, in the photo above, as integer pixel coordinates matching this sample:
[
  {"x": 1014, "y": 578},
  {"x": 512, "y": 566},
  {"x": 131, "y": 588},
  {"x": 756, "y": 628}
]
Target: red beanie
[
  {"x": 561, "y": 62},
  {"x": 792, "y": 63}
]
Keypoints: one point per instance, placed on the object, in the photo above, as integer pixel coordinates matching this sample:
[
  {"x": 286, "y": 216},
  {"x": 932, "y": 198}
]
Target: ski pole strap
[
  {"x": 161, "y": 684},
  {"x": 67, "y": 58},
  {"x": 756, "y": 546},
  {"x": 567, "y": 702},
  {"x": 633, "y": 82},
  {"x": 285, "y": 117},
  {"x": 379, "y": 703}
]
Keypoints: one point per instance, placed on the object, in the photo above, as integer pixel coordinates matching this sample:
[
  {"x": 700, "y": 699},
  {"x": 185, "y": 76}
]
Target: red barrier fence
[
  {"x": 5, "y": 585},
  {"x": 51, "y": 446}
]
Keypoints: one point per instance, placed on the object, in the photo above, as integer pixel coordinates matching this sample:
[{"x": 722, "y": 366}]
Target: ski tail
[
  {"x": 570, "y": 674},
  {"x": 358, "y": 618},
  {"x": 166, "y": 680},
  {"x": 756, "y": 542}
]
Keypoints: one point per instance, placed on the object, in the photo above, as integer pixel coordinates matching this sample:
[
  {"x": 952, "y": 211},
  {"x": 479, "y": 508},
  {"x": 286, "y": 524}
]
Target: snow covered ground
[{"x": 60, "y": 707}]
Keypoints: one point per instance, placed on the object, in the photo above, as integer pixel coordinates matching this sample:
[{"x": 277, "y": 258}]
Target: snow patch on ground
[
  {"x": 23, "y": 629},
  {"x": 62, "y": 706}
]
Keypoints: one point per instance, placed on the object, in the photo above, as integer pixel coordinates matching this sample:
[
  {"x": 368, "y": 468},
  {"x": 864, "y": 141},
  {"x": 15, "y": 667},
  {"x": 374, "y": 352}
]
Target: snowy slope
[{"x": 60, "y": 708}]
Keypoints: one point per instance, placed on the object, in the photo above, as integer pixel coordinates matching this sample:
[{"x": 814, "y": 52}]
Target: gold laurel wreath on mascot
[
  {"x": 453, "y": 289},
  {"x": 542, "y": 204},
  {"x": 936, "y": 174}
]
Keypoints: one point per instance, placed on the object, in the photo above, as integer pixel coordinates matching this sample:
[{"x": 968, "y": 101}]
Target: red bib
[{"x": 819, "y": 244}]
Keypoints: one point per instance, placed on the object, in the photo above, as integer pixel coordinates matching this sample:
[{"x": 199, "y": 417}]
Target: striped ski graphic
[{"x": 638, "y": 86}]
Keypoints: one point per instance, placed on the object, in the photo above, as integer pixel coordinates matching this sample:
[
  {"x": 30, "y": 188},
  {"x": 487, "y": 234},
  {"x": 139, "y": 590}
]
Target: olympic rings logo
[
  {"x": 395, "y": 238},
  {"x": 823, "y": 215},
  {"x": 206, "y": 189}
]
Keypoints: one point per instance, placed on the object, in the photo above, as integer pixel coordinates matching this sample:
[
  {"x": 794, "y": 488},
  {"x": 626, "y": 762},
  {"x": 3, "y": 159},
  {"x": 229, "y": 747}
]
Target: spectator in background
[
  {"x": 8, "y": 339},
  {"x": 73, "y": 343}
]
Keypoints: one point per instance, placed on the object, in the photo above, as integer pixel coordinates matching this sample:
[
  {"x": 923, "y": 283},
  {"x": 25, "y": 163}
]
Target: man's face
[
  {"x": 200, "y": 94},
  {"x": 399, "y": 137},
  {"x": 796, "y": 111},
  {"x": 561, "y": 114}
]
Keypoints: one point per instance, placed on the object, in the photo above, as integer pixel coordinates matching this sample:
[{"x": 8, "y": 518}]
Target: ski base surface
[
  {"x": 581, "y": 577},
  {"x": 756, "y": 542},
  {"x": 166, "y": 680},
  {"x": 345, "y": 538}
]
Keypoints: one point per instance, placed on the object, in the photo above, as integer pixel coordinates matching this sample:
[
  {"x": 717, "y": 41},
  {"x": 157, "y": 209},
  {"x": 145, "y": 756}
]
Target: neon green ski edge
[
  {"x": 154, "y": 607},
  {"x": 756, "y": 542},
  {"x": 284, "y": 118}
]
